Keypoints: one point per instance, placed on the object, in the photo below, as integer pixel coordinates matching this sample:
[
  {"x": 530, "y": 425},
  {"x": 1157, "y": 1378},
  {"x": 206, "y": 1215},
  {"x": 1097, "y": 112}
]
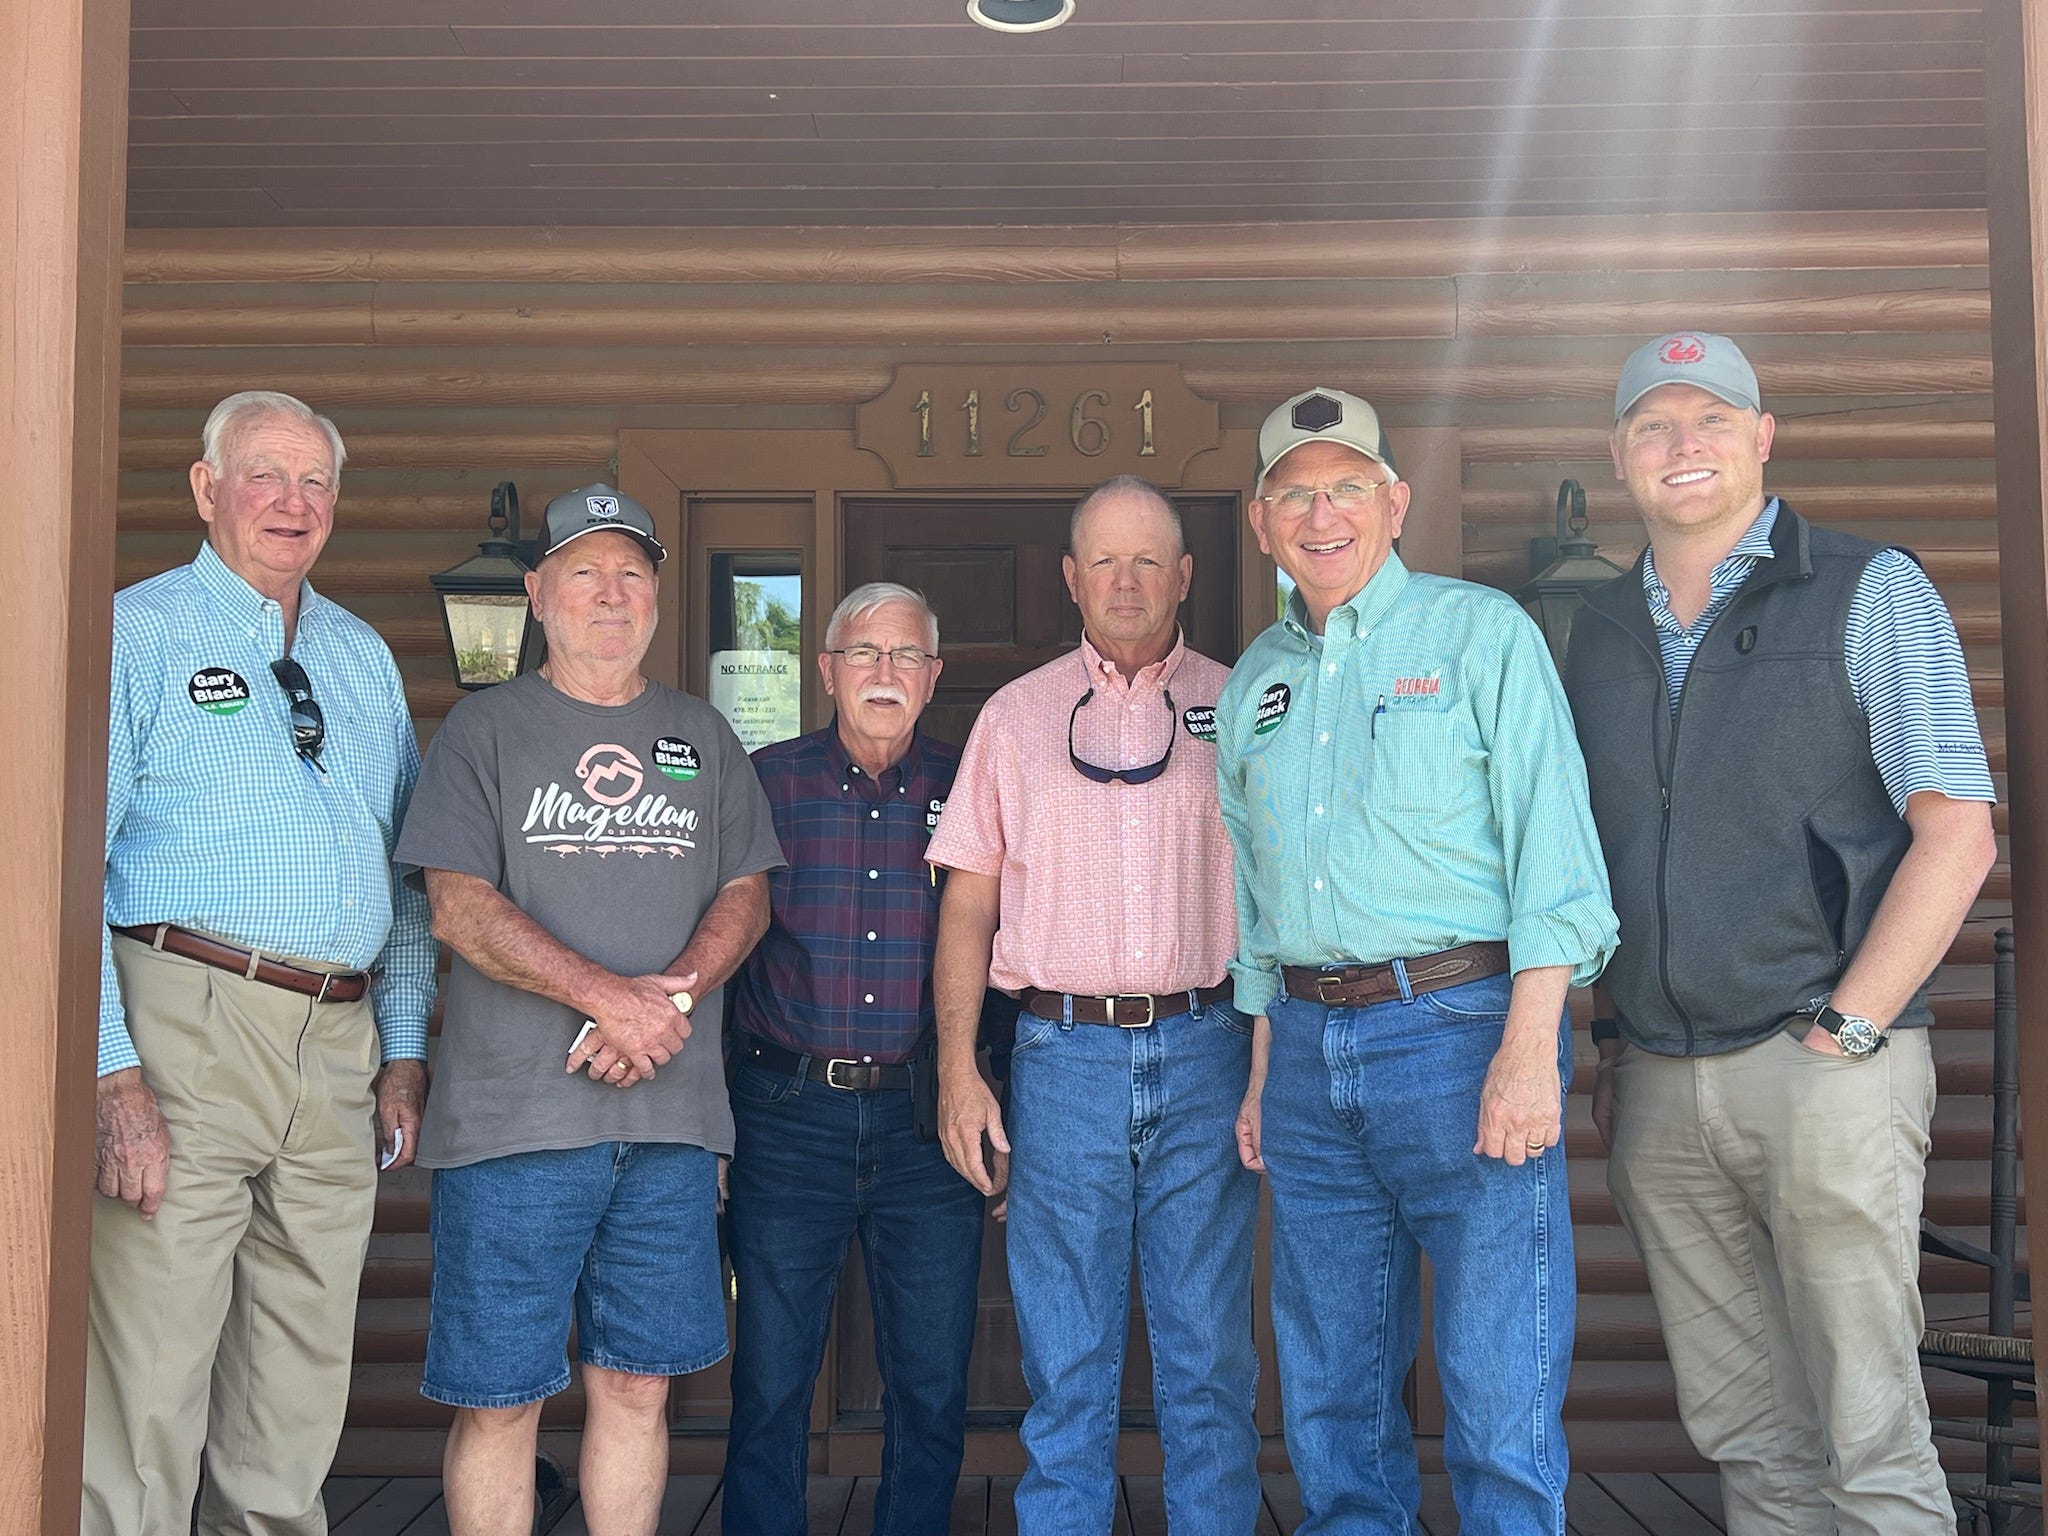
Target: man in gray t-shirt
[
  {"x": 613, "y": 828},
  {"x": 594, "y": 847}
]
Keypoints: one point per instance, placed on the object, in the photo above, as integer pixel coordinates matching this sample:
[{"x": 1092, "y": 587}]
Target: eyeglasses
[
  {"x": 309, "y": 726},
  {"x": 1348, "y": 496},
  {"x": 908, "y": 658},
  {"x": 1144, "y": 775}
]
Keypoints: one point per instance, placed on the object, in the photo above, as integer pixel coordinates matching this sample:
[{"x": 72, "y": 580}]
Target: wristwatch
[{"x": 1857, "y": 1036}]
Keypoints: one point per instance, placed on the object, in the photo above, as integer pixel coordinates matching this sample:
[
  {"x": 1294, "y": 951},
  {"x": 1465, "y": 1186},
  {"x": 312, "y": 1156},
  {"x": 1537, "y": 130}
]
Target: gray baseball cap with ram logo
[{"x": 595, "y": 509}]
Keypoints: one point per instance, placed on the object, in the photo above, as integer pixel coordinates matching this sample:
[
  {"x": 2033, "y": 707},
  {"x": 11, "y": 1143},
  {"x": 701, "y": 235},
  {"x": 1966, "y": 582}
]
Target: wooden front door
[{"x": 991, "y": 570}]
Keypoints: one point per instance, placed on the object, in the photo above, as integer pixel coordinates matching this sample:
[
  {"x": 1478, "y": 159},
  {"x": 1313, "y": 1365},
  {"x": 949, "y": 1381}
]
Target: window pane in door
[{"x": 756, "y": 664}]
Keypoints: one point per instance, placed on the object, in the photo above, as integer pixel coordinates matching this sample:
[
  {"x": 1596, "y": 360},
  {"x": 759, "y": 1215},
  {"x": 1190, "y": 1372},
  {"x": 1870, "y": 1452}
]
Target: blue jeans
[
  {"x": 1369, "y": 1119},
  {"x": 1121, "y": 1133},
  {"x": 624, "y": 1233},
  {"x": 811, "y": 1166}
]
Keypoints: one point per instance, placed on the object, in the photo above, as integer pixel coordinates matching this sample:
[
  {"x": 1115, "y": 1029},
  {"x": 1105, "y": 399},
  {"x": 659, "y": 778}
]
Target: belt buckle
[
  {"x": 1326, "y": 980},
  {"x": 832, "y": 1073},
  {"x": 326, "y": 981},
  {"x": 1151, "y": 1009}
]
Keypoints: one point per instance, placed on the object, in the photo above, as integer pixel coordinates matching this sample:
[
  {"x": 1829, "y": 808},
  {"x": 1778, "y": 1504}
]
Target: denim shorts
[{"x": 620, "y": 1237}]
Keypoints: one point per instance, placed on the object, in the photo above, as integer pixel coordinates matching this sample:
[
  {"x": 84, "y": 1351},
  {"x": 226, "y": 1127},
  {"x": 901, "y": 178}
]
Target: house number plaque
[{"x": 969, "y": 425}]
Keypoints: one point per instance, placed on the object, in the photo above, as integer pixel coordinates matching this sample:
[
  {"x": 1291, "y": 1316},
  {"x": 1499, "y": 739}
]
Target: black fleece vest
[{"x": 1749, "y": 838}]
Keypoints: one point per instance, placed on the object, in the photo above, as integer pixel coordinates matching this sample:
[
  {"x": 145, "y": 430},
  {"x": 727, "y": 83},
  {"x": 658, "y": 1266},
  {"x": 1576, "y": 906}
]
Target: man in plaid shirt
[{"x": 832, "y": 1017}]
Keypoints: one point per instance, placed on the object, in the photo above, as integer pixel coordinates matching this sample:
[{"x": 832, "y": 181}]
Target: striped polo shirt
[{"x": 1904, "y": 659}]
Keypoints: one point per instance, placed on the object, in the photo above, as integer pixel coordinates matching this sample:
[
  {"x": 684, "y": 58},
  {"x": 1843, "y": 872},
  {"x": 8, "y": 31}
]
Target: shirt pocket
[{"x": 1417, "y": 761}]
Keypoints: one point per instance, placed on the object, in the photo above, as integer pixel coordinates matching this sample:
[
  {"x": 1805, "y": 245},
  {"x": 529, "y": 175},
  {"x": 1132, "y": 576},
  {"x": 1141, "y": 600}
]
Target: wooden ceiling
[{"x": 718, "y": 112}]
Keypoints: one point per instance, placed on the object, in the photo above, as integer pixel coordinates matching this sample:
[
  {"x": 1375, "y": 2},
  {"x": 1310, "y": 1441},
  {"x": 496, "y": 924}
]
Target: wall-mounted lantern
[
  {"x": 491, "y": 634},
  {"x": 1567, "y": 568}
]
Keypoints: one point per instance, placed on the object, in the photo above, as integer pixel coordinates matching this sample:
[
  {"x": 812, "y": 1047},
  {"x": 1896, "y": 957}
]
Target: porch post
[
  {"x": 2016, "y": 97},
  {"x": 63, "y": 156}
]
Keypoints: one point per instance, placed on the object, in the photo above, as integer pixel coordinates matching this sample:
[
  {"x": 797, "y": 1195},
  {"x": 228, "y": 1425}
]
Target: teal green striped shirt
[{"x": 1405, "y": 782}]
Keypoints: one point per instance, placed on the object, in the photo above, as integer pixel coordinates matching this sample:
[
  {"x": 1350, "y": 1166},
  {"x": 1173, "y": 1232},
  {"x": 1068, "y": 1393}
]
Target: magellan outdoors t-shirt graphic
[
  {"x": 677, "y": 758},
  {"x": 218, "y": 691},
  {"x": 613, "y": 812},
  {"x": 1273, "y": 705}
]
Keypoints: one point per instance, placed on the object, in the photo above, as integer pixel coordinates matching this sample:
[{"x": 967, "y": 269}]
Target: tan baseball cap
[{"x": 1323, "y": 415}]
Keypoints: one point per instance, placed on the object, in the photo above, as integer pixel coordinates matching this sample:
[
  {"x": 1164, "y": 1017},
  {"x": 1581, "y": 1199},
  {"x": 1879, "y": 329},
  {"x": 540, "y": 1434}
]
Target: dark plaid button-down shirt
[{"x": 845, "y": 967}]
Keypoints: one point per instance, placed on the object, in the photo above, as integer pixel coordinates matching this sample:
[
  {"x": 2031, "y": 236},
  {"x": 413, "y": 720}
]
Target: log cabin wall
[{"x": 452, "y": 359}]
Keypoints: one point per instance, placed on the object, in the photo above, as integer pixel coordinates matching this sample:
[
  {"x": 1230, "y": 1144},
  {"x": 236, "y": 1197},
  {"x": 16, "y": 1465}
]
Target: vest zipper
[{"x": 1666, "y": 766}]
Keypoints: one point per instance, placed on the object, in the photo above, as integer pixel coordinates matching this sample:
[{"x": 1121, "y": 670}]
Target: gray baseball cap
[
  {"x": 1323, "y": 415},
  {"x": 1700, "y": 358},
  {"x": 593, "y": 509}
]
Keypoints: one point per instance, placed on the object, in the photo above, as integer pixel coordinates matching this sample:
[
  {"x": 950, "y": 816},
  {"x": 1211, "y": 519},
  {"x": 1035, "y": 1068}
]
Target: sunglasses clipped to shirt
[
  {"x": 309, "y": 726},
  {"x": 1099, "y": 775}
]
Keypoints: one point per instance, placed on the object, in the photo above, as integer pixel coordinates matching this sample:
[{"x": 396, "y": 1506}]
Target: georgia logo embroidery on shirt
[
  {"x": 218, "y": 690},
  {"x": 1273, "y": 706},
  {"x": 1425, "y": 691}
]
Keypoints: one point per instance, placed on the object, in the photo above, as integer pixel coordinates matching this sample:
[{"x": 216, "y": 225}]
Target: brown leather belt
[
  {"x": 1125, "y": 1010},
  {"x": 1360, "y": 986},
  {"x": 839, "y": 1072},
  {"x": 321, "y": 986}
]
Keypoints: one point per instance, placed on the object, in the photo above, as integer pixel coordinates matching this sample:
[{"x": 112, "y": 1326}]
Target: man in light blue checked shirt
[
  {"x": 261, "y": 962},
  {"x": 1418, "y": 883},
  {"x": 1795, "y": 807}
]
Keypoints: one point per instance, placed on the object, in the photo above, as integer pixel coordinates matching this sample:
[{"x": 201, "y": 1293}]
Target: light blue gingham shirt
[
  {"x": 1405, "y": 782},
  {"x": 1905, "y": 665},
  {"x": 215, "y": 823}
]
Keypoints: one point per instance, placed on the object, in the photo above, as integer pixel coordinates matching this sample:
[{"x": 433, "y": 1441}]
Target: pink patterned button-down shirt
[{"x": 1105, "y": 887}]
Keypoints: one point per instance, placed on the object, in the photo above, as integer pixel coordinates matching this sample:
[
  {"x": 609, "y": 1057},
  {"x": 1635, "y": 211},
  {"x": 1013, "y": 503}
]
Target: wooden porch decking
[
  {"x": 1628, "y": 1504},
  {"x": 1602, "y": 1504}
]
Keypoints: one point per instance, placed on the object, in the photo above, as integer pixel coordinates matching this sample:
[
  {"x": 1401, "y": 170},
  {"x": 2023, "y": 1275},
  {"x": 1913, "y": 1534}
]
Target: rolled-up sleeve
[
  {"x": 1255, "y": 978},
  {"x": 1560, "y": 912},
  {"x": 403, "y": 995}
]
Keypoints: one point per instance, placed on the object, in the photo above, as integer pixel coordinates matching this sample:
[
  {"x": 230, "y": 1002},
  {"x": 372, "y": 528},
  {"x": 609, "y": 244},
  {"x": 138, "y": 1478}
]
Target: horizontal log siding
[{"x": 452, "y": 360}]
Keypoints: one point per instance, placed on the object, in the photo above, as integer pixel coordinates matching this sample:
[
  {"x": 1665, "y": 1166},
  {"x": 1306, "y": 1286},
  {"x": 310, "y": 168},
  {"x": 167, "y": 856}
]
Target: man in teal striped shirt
[{"x": 1418, "y": 883}]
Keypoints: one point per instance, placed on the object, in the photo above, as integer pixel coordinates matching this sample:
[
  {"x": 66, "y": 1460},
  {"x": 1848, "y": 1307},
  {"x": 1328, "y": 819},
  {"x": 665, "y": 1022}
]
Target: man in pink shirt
[{"x": 1091, "y": 876}]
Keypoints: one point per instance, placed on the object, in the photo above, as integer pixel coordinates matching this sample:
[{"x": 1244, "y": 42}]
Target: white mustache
[{"x": 884, "y": 693}]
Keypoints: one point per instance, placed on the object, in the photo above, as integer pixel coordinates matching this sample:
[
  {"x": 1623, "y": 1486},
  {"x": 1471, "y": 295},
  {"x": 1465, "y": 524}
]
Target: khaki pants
[
  {"x": 1775, "y": 1195},
  {"x": 225, "y": 1326}
]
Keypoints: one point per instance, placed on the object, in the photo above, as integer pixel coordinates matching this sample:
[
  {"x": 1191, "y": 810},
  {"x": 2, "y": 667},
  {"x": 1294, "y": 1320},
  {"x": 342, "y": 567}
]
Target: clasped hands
[{"x": 636, "y": 1023}]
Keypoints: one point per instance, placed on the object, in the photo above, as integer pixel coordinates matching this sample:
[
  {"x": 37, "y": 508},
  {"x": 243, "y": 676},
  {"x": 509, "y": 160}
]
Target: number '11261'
[{"x": 1088, "y": 432}]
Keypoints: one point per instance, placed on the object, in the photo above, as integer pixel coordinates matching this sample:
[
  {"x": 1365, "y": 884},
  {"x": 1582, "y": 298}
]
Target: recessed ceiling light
[{"x": 1020, "y": 15}]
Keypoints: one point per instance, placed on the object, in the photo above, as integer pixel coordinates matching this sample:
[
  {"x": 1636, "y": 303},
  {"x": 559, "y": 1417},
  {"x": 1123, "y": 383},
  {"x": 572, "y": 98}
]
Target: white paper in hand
[{"x": 683, "y": 1001}]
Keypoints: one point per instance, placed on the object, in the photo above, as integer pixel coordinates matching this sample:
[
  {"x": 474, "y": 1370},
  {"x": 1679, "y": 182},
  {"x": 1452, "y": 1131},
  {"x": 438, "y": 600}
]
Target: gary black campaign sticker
[
  {"x": 218, "y": 691},
  {"x": 1272, "y": 709},
  {"x": 676, "y": 757},
  {"x": 1201, "y": 723}
]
